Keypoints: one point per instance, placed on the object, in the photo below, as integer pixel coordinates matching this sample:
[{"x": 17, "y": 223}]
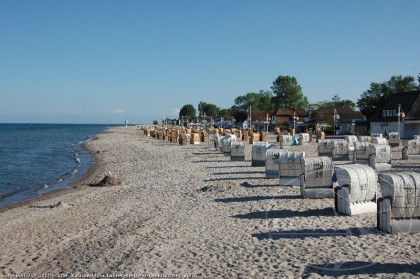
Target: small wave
[
  {"x": 76, "y": 155},
  {"x": 85, "y": 141},
  {"x": 76, "y": 149},
  {"x": 70, "y": 173}
]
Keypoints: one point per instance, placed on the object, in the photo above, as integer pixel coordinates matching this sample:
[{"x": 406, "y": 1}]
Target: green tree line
[{"x": 287, "y": 93}]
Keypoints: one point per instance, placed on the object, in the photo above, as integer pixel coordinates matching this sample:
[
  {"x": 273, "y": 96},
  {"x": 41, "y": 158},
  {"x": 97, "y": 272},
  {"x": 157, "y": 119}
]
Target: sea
[{"x": 38, "y": 158}]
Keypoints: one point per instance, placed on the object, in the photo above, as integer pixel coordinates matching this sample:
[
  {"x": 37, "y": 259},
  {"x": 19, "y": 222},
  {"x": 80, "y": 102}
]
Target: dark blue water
[{"x": 38, "y": 158}]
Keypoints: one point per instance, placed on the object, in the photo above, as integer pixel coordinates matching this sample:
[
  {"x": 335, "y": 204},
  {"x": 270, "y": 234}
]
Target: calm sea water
[{"x": 38, "y": 158}]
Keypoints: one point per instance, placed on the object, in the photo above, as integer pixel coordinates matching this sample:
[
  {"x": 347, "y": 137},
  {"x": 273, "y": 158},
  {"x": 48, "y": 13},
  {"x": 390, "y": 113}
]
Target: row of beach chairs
[
  {"x": 356, "y": 188},
  {"x": 360, "y": 187}
]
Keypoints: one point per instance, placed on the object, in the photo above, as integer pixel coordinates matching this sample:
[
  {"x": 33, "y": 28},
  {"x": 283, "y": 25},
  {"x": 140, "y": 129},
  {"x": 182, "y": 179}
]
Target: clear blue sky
[{"x": 106, "y": 61}]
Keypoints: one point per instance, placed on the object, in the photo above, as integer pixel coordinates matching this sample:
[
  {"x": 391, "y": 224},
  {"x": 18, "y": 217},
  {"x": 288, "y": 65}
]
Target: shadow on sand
[
  {"x": 256, "y": 198},
  {"x": 286, "y": 213},
  {"x": 315, "y": 233},
  {"x": 240, "y": 172},
  {"x": 219, "y": 167},
  {"x": 360, "y": 268},
  {"x": 232, "y": 178},
  {"x": 210, "y": 161}
]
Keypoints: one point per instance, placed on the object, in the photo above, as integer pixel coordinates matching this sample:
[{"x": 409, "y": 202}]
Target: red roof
[
  {"x": 289, "y": 112},
  {"x": 260, "y": 115}
]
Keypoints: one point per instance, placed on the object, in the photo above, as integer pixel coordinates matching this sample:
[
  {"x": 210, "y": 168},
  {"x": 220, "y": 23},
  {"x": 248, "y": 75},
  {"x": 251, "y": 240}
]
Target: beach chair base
[
  {"x": 258, "y": 163},
  {"x": 386, "y": 223},
  {"x": 290, "y": 181},
  {"x": 272, "y": 174},
  {"x": 317, "y": 193}
]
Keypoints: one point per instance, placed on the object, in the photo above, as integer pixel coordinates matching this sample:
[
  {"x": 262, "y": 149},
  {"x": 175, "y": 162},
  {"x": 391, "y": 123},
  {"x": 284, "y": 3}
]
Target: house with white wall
[{"x": 401, "y": 113}]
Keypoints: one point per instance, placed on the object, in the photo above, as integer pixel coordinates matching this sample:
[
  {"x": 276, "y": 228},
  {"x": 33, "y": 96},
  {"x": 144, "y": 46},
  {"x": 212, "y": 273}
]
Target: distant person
[{"x": 126, "y": 122}]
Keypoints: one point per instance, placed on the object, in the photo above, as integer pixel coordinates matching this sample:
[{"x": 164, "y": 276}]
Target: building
[
  {"x": 289, "y": 118},
  {"x": 346, "y": 120},
  {"x": 401, "y": 113}
]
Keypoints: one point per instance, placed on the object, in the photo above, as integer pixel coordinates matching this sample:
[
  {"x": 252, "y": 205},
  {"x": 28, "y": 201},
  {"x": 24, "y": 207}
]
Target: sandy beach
[{"x": 188, "y": 211}]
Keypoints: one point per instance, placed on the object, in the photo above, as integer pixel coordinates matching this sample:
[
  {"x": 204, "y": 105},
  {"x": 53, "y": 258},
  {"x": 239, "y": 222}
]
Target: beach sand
[{"x": 190, "y": 211}]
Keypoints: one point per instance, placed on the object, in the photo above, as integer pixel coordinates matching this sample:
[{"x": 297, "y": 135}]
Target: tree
[
  {"x": 373, "y": 99},
  {"x": 335, "y": 102},
  {"x": 208, "y": 109},
  {"x": 260, "y": 101},
  {"x": 240, "y": 115},
  {"x": 265, "y": 100},
  {"x": 226, "y": 113},
  {"x": 187, "y": 111},
  {"x": 288, "y": 93},
  {"x": 418, "y": 80}
]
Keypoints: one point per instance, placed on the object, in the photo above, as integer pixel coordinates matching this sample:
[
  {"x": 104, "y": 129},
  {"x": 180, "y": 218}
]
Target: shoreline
[
  {"x": 95, "y": 167},
  {"x": 190, "y": 210},
  {"x": 76, "y": 185}
]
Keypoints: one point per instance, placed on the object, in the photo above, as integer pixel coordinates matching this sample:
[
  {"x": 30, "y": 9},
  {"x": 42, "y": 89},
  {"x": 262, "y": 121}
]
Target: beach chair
[
  {"x": 259, "y": 153},
  {"x": 226, "y": 143},
  {"x": 364, "y": 139},
  {"x": 380, "y": 157},
  {"x": 412, "y": 150},
  {"x": 340, "y": 150},
  {"x": 379, "y": 140},
  {"x": 195, "y": 138},
  {"x": 394, "y": 139},
  {"x": 325, "y": 147},
  {"x": 272, "y": 163},
  {"x": 285, "y": 141},
  {"x": 213, "y": 141},
  {"x": 398, "y": 207},
  {"x": 316, "y": 177},
  {"x": 355, "y": 189},
  {"x": 290, "y": 168},
  {"x": 303, "y": 138},
  {"x": 361, "y": 153},
  {"x": 237, "y": 151},
  {"x": 351, "y": 141}
]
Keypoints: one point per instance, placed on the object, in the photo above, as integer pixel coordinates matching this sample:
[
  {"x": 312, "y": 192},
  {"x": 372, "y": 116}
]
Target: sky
[{"x": 103, "y": 61}]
